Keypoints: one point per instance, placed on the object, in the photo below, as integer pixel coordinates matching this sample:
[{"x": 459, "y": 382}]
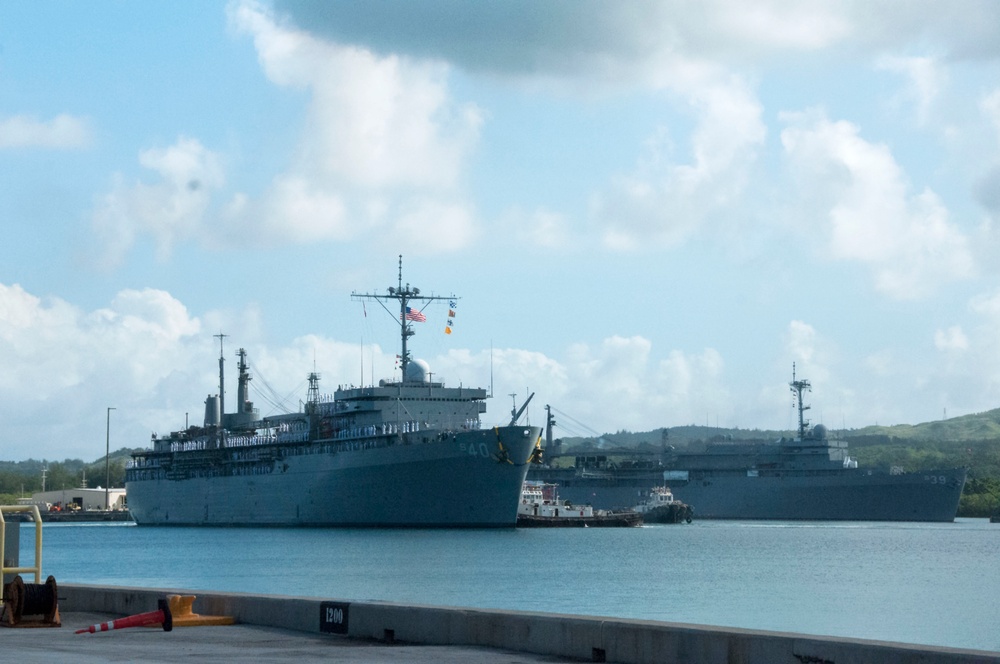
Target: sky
[{"x": 648, "y": 211}]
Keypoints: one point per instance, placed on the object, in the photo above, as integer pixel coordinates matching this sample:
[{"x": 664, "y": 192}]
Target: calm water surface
[{"x": 917, "y": 583}]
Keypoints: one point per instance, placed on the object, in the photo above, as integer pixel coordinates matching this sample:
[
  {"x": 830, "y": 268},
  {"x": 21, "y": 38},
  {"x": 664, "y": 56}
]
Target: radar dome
[
  {"x": 417, "y": 371},
  {"x": 819, "y": 431}
]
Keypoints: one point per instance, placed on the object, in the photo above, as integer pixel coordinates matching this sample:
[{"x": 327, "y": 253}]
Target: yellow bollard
[{"x": 183, "y": 616}]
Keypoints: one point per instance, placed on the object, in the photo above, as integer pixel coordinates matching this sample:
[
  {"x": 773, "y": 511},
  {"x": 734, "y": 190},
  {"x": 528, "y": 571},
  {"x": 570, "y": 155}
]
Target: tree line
[{"x": 23, "y": 478}]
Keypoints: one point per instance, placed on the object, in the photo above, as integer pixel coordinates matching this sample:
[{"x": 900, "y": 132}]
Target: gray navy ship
[
  {"x": 808, "y": 477},
  {"x": 403, "y": 453}
]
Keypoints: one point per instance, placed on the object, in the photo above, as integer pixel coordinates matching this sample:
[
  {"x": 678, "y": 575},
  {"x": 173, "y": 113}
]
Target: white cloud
[
  {"x": 907, "y": 239},
  {"x": 294, "y": 210},
  {"x": 663, "y": 202},
  {"x": 31, "y": 334},
  {"x": 430, "y": 226},
  {"x": 541, "y": 228},
  {"x": 927, "y": 79},
  {"x": 880, "y": 363},
  {"x": 811, "y": 352},
  {"x": 383, "y": 143},
  {"x": 169, "y": 210},
  {"x": 63, "y": 132},
  {"x": 952, "y": 339},
  {"x": 990, "y": 106},
  {"x": 780, "y": 25},
  {"x": 801, "y": 341},
  {"x": 967, "y": 370},
  {"x": 53, "y": 345},
  {"x": 61, "y": 359},
  {"x": 987, "y": 305},
  {"x": 146, "y": 355},
  {"x": 615, "y": 42},
  {"x": 618, "y": 383},
  {"x": 987, "y": 189}
]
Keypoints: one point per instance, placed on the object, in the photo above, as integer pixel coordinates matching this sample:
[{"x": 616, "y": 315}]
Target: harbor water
[{"x": 935, "y": 584}]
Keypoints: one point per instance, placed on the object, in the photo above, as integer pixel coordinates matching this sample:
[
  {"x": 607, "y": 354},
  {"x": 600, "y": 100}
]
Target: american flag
[{"x": 411, "y": 314}]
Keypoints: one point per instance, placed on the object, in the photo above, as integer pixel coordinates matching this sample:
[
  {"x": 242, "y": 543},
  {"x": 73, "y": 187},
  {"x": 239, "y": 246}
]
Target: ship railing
[
  {"x": 468, "y": 424},
  {"x": 292, "y": 437},
  {"x": 144, "y": 463},
  {"x": 329, "y": 407},
  {"x": 384, "y": 429},
  {"x": 189, "y": 445},
  {"x": 251, "y": 441},
  {"x": 245, "y": 456}
]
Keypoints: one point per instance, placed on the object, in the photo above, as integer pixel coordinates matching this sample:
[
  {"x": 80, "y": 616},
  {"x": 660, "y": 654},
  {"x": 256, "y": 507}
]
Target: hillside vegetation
[{"x": 23, "y": 478}]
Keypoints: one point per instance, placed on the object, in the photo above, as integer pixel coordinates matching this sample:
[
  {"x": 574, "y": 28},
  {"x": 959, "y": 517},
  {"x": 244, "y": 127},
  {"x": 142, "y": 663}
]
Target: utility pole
[{"x": 107, "y": 460}]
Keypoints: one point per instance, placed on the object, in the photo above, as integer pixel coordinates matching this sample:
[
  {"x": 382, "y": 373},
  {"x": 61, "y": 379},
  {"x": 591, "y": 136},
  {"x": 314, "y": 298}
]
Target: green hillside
[{"x": 975, "y": 427}]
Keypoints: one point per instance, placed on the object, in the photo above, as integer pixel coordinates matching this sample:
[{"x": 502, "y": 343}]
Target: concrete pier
[{"x": 464, "y": 631}]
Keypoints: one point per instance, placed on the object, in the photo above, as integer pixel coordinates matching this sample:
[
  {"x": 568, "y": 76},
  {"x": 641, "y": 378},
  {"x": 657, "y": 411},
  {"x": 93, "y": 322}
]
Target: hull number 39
[{"x": 333, "y": 617}]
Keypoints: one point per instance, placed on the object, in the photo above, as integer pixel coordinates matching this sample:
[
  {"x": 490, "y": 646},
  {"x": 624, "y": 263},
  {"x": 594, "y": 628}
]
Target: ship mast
[
  {"x": 405, "y": 295},
  {"x": 222, "y": 374},
  {"x": 312, "y": 396},
  {"x": 798, "y": 386},
  {"x": 243, "y": 404},
  {"x": 549, "y": 423}
]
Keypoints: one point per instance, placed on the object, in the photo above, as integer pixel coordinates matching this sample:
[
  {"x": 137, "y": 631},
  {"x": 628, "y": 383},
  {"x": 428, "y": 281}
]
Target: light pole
[{"x": 107, "y": 459}]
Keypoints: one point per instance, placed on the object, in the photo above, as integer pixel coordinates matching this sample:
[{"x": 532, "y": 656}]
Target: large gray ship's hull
[
  {"x": 468, "y": 479},
  {"x": 837, "y": 495}
]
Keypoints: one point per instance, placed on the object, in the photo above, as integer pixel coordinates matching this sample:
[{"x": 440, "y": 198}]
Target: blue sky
[{"x": 649, "y": 210}]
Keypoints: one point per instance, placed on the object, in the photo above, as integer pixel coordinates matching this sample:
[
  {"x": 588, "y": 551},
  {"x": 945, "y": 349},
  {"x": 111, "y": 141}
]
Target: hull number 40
[{"x": 472, "y": 449}]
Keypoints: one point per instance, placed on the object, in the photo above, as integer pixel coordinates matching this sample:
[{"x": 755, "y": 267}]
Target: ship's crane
[{"x": 515, "y": 413}]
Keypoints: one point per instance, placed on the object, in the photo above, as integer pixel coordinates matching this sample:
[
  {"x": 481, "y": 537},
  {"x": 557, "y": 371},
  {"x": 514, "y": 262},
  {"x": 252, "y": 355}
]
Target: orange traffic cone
[{"x": 161, "y": 615}]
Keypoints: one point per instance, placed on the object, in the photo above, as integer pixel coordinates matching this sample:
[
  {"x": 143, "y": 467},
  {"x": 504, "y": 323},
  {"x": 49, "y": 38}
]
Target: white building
[{"x": 87, "y": 499}]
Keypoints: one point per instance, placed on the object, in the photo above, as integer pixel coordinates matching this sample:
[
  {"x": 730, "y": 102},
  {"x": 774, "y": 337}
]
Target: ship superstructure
[{"x": 404, "y": 452}]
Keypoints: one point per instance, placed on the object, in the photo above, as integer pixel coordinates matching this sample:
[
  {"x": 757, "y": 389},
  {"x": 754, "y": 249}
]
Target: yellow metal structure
[
  {"x": 180, "y": 607},
  {"x": 183, "y": 616},
  {"x": 37, "y": 569}
]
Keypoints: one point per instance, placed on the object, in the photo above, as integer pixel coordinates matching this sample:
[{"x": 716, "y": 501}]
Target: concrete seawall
[{"x": 582, "y": 637}]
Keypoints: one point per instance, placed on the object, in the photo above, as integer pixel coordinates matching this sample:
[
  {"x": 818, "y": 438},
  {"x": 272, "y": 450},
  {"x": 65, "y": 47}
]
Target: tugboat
[
  {"x": 541, "y": 507},
  {"x": 662, "y": 507}
]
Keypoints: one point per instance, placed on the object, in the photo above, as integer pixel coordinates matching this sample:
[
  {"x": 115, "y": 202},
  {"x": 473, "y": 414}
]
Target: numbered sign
[{"x": 333, "y": 617}]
